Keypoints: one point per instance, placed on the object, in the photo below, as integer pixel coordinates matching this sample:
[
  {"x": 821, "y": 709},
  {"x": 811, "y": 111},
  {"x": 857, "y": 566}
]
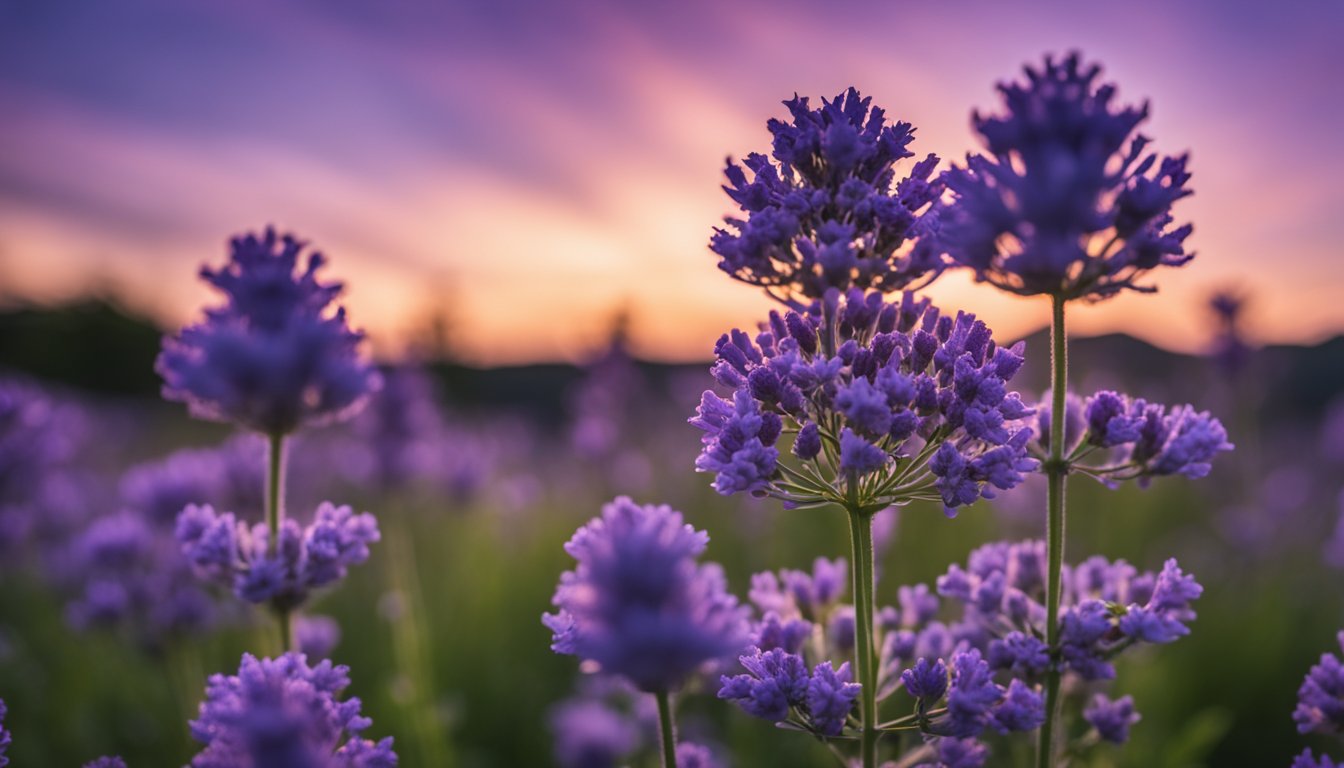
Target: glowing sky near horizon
[{"x": 526, "y": 169}]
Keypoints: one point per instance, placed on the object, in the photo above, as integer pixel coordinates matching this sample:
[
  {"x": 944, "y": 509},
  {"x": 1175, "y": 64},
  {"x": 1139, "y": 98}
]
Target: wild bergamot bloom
[{"x": 274, "y": 356}]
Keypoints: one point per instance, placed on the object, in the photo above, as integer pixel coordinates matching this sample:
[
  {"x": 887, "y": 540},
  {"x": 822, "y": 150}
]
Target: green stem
[
  {"x": 667, "y": 729},
  {"x": 275, "y": 516},
  {"x": 861, "y": 540},
  {"x": 1056, "y": 469}
]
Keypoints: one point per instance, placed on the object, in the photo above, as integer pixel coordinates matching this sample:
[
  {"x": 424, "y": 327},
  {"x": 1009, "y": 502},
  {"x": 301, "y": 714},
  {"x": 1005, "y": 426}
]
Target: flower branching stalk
[
  {"x": 275, "y": 517},
  {"x": 1056, "y": 471}
]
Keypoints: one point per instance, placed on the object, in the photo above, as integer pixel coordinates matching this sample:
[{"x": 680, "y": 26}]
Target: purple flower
[
  {"x": 1106, "y": 607},
  {"x": 316, "y": 636},
  {"x": 858, "y": 455},
  {"x": 590, "y": 734},
  {"x": 829, "y": 211},
  {"x": 284, "y": 712},
  {"x": 5, "y": 738},
  {"x": 40, "y": 436},
  {"x": 786, "y": 634},
  {"x": 739, "y": 443},
  {"x": 1066, "y": 202},
  {"x": 638, "y": 605},
  {"x": 831, "y": 694},
  {"x": 959, "y": 753},
  {"x": 799, "y": 593},
  {"x": 272, "y": 358},
  {"x": 870, "y": 387},
  {"x": 918, "y": 605},
  {"x": 776, "y": 681},
  {"x": 970, "y": 696},
  {"x": 1320, "y": 699},
  {"x": 398, "y": 439},
  {"x": 1140, "y": 440},
  {"x": 926, "y": 680},
  {"x": 106, "y": 762},
  {"x": 1109, "y": 420},
  {"x": 690, "y": 755},
  {"x": 1112, "y": 719},
  {"x": 1308, "y": 760},
  {"x": 233, "y": 554},
  {"x": 1022, "y": 709},
  {"x": 229, "y": 475},
  {"x": 1019, "y": 652},
  {"x": 128, "y": 574}
]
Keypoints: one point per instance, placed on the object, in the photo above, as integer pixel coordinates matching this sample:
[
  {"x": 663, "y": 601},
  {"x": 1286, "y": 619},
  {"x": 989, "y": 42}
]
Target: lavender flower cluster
[
  {"x": 285, "y": 712},
  {"x": 787, "y": 678},
  {"x": 897, "y": 399},
  {"x": 126, "y": 570},
  {"x": 273, "y": 357},
  {"x": 226, "y": 551},
  {"x": 1127, "y": 438},
  {"x": 1066, "y": 202},
  {"x": 828, "y": 210},
  {"x": 638, "y": 605},
  {"x": 1106, "y": 607},
  {"x": 1320, "y": 705}
]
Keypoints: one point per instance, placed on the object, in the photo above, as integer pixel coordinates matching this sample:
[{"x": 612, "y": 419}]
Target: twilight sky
[{"x": 527, "y": 168}]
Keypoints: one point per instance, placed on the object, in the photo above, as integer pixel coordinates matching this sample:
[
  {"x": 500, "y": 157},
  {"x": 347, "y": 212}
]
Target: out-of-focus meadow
[{"x": 478, "y": 487}]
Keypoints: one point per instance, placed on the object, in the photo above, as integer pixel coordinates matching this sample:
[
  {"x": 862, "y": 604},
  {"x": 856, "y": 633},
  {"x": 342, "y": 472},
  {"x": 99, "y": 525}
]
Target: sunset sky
[{"x": 525, "y": 168}]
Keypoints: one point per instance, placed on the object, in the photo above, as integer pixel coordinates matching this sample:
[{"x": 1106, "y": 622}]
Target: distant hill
[{"x": 95, "y": 346}]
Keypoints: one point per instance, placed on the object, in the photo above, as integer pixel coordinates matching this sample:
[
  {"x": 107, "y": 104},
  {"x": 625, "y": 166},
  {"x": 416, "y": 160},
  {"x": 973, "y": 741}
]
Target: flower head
[
  {"x": 590, "y": 734},
  {"x": 1066, "y": 202},
  {"x": 691, "y": 755},
  {"x": 1308, "y": 760},
  {"x": 826, "y": 209},
  {"x": 284, "y": 712},
  {"x": 870, "y": 389},
  {"x": 1129, "y": 438},
  {"x": 272, "y": 358},
  {"x": 1320, "y": 699},
  {"x": 5, "y": 738},
  {"x": 776, "y": 682},
  {"x": 1107, "y": 606},
  {"x": 638, "y": 604},
  {"x": 229, "y": 552},
  {"x": 1112, "y": 719}
]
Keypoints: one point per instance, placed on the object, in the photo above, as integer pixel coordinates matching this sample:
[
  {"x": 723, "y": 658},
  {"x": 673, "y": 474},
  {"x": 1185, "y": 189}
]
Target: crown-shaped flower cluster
[
  {"x": 1113, "y": 438},
  {"x": 1066, "y": 202},
  {"x": 887, "y": 403},
  {"x": 285, "y": 712},
  {"x": 825, "y": 209},
  {"x": 639, "y": 605},
  {"x": 239, "y": 556},
  {"x": 274, "y": 357}
]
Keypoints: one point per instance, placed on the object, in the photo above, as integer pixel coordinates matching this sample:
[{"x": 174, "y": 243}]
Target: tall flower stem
[
  {"x": 667, "y": 729},
  {"x": 1056, "y": 470},
  {"x": 275, "y": 516},
  {"x": 861, "y": 541}
]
